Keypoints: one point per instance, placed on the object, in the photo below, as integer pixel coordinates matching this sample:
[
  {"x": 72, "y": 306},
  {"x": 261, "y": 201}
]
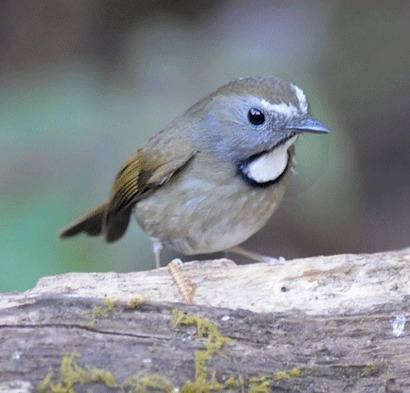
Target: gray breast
[{"x": 207, "y": 208}]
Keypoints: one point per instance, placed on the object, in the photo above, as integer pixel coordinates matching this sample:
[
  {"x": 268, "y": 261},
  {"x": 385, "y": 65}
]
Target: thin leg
[
  {"x": 157, "y": 248},
  {"x": 255, "y": 256}
]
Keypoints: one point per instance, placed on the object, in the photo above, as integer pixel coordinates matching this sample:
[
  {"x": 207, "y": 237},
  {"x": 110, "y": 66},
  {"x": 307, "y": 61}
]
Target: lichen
[
  {"x": 294, "y": 372},
  {"x": 280, "y": 376},
  {"x": 205, "y": 380},
  {"x": 45, "y": 384},
  {"x": 135, "y": 303},
  {"x": 370, "y": 369},
  {"x": 101, "y": 312},
  {"x": 214, "y": 342},
  {"x": 109, "y": 304},
  {"x": 71, "y": 374},
  {"x": 233, "y": 382},
  {"x": 201, "y": 385},
  {"x": 147, "y": 384},
  {"x": 97, "y": 312},
  {"x": 260, "y": 384}
]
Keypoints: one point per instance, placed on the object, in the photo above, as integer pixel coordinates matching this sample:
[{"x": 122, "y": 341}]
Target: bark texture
[{"x": 323, "y": 324}]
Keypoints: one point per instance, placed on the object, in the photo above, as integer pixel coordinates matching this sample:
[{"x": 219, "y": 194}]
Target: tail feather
[
  {"x": 94, "y": 223},
  {"x": 91, "y": 223}
]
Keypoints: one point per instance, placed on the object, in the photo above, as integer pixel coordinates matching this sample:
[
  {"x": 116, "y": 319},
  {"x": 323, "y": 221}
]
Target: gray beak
[{"x": 307, "y": 125}]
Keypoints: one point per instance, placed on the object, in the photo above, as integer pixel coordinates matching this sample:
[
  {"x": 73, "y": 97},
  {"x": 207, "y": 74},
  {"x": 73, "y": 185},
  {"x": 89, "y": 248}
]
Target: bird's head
[{"x": 248, "y": 118}]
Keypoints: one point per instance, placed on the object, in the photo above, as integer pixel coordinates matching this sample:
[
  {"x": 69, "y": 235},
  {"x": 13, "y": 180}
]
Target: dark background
[{"x": 83, "y": 83}]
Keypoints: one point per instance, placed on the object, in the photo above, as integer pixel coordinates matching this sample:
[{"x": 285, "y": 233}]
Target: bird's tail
[
  {"x": 96, "y": 223},
  {"x": 91, "y": 223}
]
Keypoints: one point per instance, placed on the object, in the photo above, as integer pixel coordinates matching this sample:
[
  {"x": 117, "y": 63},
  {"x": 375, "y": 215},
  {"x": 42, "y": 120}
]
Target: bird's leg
[
  {"x": 255, "y": 256},
  {"x": 185, "y": 287},
  {"x": 157, "y": 248}
]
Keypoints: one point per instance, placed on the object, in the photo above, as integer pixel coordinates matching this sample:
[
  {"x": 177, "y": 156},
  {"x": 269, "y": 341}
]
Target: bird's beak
[{"x": 307, "y": 124}]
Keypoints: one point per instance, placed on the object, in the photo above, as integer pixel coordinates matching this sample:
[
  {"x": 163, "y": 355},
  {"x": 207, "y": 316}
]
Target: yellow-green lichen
[
  {"x": 233, "y": 383},
  {"x": 294, "y": 372},
  {"x": 370, "y": 369},
  {"x": 71, "y": 374},
  {"x": 109, "y": 304},
  {"x": 260, "y": 384},
  {"x": 214, "y": 342},
  {"x": 135, "y": 303},
  {"x": 153, "y": 383},
  {"x": 205, "y": 380},
  {"x": 104, "y": 311},
  {"x": 201, "y": 385}
]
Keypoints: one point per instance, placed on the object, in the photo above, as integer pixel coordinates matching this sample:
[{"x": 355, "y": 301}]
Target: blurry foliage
[{"x": 83, "y": 84}]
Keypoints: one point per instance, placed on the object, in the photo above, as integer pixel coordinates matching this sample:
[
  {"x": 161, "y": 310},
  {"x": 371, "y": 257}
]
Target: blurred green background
[{"x": 83, "y": 83}]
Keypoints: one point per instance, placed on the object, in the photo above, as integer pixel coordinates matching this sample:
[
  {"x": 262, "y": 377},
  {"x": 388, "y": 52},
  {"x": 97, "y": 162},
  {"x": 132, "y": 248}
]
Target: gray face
[{"x": 237, "y": 127}]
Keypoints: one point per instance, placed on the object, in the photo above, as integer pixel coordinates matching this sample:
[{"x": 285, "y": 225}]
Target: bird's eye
[{"x": 256, "y": 117}]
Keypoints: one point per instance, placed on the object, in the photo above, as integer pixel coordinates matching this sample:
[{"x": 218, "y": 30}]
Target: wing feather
[{"x": 140, "y": 175}]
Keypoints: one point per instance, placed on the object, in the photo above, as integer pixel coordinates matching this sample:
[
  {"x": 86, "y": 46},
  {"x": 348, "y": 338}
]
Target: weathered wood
[{"x": 329, "y": 324}]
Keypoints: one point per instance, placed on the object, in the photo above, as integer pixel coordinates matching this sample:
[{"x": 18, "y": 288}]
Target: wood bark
[{"x": 323, "y": 324}]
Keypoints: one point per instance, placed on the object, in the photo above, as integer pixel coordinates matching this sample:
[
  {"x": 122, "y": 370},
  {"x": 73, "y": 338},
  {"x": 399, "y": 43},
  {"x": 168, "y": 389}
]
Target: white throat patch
[{"x": 270, "y": 165}]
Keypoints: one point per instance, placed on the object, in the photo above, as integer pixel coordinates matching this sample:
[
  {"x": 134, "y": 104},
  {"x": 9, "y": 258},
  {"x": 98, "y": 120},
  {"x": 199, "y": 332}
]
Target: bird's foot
[
  {"x": 256, "y": 256},
  {"x": 157, "y": 248},
  {"x": 274, "y": 261},
  {"x": 186, "y": 288}
]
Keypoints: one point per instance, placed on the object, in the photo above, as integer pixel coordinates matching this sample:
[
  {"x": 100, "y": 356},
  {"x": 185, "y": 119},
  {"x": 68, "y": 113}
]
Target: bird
[{"x": 214, "y": 176}]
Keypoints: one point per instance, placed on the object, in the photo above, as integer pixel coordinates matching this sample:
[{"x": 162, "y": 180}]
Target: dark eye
[{"x": 256, "y": 117}]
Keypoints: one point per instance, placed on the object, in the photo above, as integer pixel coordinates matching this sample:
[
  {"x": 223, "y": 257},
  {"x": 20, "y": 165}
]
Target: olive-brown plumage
[{"x": 214, "y": 176}]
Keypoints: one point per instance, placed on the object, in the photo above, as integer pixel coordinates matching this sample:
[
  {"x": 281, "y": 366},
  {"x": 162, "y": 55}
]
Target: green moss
[
  {"x": 214, "y": 342},
  {"x": 71, "y": 373},
  {"x": 295, "y": 372},
  {"x": 98, "y": 312},
  {"x": 135, "y": 303},
  {"x": 46, "y": 383},
  {"x": 101, "y": 312},
  {"x": 370, "y": 369},
  {"x": 201, "y": 385},
  {"x": 232, "y": 382},
  {"x": 205, "y": 329},
  {"x": 151, "y": 383},
  {"x": 260, "y": 384},
  {"x": 109, "y": 304},
  {"x": 280, "y": 376},
  {"x": 205, "y": 381}
]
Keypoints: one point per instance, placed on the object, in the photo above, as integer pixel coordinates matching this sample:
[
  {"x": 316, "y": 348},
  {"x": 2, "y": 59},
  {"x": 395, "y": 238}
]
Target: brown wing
[
  {"x": 90, "y": 223},
  {"x": 140, "y": 175}
]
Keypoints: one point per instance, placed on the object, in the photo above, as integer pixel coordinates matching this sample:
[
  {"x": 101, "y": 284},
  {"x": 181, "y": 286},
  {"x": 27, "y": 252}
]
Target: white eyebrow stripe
[
  {"x": 288, "y": 110},
  {"x": 303, "y": 105}
]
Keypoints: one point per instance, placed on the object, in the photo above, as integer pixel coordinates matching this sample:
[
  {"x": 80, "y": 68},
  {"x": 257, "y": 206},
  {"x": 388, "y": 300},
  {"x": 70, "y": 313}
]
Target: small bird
[{"x": 214, "y": 176}]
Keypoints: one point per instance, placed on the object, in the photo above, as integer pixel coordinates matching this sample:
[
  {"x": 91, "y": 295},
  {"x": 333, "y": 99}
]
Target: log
[{"x": 322, "y": 324}]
